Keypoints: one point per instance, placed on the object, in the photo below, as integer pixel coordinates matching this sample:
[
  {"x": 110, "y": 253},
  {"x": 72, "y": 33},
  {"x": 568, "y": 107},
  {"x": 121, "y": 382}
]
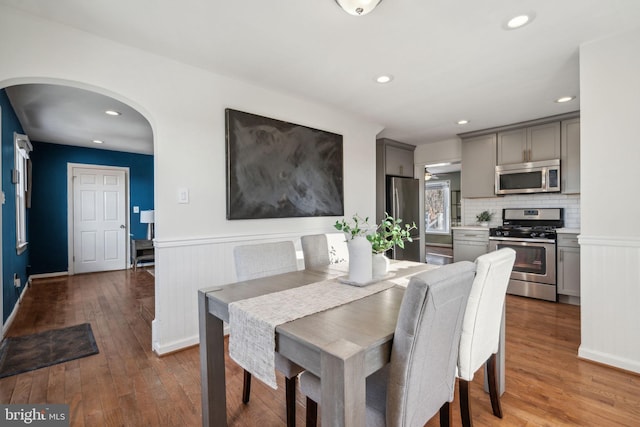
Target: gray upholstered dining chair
[
  {"x": 420, "y": 379},
  {"x": 315, "y": 249},
  {"x": 262, "y": 260},
  {"x": 480, "y": 336}
]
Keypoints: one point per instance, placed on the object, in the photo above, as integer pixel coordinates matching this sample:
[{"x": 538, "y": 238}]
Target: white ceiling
[
  {"x": 66, "y": 115},
  {"x": 451, "y": 59}
]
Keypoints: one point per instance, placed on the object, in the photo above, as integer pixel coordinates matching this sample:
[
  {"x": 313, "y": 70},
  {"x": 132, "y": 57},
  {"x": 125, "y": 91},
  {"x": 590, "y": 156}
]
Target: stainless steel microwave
[{"x": 532, "y": 177}]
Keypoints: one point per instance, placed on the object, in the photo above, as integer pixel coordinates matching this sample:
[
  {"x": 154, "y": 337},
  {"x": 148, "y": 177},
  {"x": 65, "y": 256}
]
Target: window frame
[
  {"x": 444, "y": 185},
  {"x": 22, "y": 147}
]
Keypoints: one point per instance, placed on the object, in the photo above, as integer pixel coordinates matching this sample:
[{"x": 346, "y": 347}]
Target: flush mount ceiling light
[
  {"x": 358, "y": 7},
  {"x": 97, "y": 141},
  {"x": 565, "y": 99},
  {"x": 519, "y": 21},
  {"x": 112, "y": 113},
  {"x": 384, "y": 78},
  {"x": 462, "y": 122}
]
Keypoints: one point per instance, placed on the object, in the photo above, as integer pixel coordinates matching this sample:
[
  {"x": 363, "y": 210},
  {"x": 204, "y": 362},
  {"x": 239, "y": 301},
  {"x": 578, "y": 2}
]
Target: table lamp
[{"x": 148, "y": 217}]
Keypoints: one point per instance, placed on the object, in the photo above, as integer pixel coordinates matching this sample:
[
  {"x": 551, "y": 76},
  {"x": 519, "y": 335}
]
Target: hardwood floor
[{"x": 127, "y": 384}]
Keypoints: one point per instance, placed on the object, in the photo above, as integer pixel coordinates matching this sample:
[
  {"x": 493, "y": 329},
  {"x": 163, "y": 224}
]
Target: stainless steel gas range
[{"x": 532, "y": 234}]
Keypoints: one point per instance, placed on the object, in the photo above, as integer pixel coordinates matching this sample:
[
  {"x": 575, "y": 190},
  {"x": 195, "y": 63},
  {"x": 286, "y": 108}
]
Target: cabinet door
[
  {"x": 478, "y": 173},
  {"x": 468, "y": 250},
  {"x": 398, "y": 161},
  {"x": 570, "y": 156},
  {"x": 543, "y": 142},
  {"x": 512, "y": 146},
  {"x": 569, "y": 271}
]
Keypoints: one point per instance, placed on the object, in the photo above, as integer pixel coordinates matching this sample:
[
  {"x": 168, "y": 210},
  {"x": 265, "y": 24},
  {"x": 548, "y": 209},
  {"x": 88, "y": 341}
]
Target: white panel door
[{"x": 99, "y": 220}]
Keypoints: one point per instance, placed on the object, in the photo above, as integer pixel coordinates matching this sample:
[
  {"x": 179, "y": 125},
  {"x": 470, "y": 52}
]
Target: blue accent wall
[
  {"x": 12, "y": 263},
  {"x": 48, "y": 213}
]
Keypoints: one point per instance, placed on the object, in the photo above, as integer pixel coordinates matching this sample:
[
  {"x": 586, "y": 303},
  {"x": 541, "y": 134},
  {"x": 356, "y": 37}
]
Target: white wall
[
  {"x": 610, "y": 174},
  {"x": 185, "y": 106}
]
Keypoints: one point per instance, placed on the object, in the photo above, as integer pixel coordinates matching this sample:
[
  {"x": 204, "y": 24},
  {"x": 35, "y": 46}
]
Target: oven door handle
[{"x": 521, "y": 240}]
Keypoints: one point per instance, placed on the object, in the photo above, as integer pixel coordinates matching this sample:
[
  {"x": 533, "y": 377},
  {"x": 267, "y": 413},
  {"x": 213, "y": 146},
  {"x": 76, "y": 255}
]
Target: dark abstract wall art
[{"x": 277, "y": 169}]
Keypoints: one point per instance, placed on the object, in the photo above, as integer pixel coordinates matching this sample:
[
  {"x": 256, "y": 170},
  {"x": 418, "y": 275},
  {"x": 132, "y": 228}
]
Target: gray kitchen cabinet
[
  {"x": 529, "y": 144},
  {"x": 568, "y": 264},
  {"x": 397, "y": 157},
  {"x": 570, "y": 156},
  {"x": 392, "y": 158},
  {"x": 469, "y": 244},
  {"x": 478, "y": 171}
]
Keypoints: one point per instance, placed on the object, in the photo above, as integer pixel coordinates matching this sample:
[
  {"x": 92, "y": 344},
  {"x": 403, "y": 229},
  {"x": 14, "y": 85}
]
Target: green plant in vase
[
  {"x": 360, "y": 260},
  {"x": 484, "y": 217},
  {"x": 357, "y": 227},
  {"x": 391, "y": 232}
]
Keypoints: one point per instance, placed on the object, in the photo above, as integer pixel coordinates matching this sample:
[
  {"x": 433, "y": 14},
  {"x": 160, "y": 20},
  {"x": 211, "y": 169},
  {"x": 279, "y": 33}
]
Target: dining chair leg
[
  {"x": 312, "y": 413},
  {"x": 246, "y": 387},
  {"x": 445, "y": 415},
  {"x": 465, "y": 403},
  {"x": 493, "y": 386},
  {"x": 290, "y": 392}
]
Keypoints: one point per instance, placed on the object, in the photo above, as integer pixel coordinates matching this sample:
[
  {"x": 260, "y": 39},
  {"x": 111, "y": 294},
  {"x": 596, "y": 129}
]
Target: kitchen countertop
[{"x": 568, "y": 230}]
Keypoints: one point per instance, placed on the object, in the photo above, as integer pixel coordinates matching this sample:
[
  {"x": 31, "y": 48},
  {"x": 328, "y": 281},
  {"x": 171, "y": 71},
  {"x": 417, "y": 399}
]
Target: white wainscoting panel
[
  {"x": 183, "y": 267},
  {"x": 610, "y": 301}
]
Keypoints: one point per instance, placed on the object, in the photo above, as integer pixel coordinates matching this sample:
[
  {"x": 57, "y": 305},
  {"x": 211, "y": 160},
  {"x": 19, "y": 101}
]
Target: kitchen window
[
  {"x": 22, "y": 148},
  {"x": 437, "y": 196}
]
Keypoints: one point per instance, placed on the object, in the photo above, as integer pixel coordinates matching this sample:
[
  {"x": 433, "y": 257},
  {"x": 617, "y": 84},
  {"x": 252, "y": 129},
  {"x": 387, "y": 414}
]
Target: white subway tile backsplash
[{"x": 570, "y": 203}]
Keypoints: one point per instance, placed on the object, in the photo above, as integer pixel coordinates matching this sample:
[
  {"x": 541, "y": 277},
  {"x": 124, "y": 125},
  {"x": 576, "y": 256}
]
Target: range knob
[
  {"x": 542, "y": 235},
  {"x": 533, "y": 234}
]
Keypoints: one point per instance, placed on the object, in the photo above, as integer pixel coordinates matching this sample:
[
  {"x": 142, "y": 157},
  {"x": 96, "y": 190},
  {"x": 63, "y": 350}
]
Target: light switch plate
[
  {"x": 136, "y": 209},
  {"x": 183, "y": 195}
]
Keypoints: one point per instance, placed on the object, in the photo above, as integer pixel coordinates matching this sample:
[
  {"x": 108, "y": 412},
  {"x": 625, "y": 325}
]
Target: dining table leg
[
  {"x": 212, "y": 369},
  {"x": 343, "y": 384}
]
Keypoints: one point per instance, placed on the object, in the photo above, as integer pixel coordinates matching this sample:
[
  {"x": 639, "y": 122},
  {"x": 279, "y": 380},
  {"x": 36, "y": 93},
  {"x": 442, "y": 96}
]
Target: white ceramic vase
[
  {"x": 380, "y": 265},
  {"x": 360, "y": 260}
]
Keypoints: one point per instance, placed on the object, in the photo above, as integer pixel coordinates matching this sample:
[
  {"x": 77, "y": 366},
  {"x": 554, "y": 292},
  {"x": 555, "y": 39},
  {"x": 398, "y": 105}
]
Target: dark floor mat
[{"x": 29, "y": 352}]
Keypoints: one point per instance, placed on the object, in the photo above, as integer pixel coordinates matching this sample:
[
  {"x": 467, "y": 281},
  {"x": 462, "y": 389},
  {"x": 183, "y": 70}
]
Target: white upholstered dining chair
[
  {"x": 420, "y": 378},
  {"x": 480, "y": 336},
  {"x": 262, "y": 260},
  {"x": 315, "y": 250}
]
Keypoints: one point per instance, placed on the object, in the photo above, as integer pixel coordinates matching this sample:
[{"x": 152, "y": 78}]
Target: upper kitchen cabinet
[
  {"x": 570, "y": 156},
  {"x": 529, "y": 144},
  {"x": 395, "y": 158},
  {"x": 477, "y": 175}
]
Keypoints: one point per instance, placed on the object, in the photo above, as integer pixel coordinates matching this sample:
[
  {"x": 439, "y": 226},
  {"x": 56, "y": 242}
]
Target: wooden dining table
[{"x": 342, "y": 345}]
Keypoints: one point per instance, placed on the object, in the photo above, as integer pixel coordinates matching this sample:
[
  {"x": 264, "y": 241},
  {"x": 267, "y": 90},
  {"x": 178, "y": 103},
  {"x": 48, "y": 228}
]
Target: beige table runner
[{"x": 252, "y": 321}]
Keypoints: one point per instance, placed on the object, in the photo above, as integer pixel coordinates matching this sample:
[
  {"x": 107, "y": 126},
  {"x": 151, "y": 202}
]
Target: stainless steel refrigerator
[{"x": 403, "y": 201}]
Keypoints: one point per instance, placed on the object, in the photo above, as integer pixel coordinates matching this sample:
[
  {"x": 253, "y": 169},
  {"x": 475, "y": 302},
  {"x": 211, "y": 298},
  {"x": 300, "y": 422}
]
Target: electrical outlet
[{"x": 16, "y": 281}]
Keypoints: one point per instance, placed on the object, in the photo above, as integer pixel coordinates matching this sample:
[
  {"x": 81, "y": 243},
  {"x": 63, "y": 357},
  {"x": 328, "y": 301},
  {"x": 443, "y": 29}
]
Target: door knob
[{"x": 122, "y": 226}]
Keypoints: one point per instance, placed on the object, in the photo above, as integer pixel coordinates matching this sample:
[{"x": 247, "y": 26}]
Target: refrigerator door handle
[{"x": 396, "y": 202}]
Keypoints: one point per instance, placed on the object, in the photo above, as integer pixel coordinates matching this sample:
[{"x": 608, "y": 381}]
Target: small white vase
[
  {"x": 360, "y": 260},
  {"x": 380, "y": 265}
]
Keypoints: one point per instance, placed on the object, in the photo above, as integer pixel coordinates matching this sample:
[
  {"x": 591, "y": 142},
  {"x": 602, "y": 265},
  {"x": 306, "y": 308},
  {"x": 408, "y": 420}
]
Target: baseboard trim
[
  {"x": 14, "y": 312},
  {"x": 165, "y": 349},
  {"x": 609, "y": 360},
  {"x": 48, "y": 275}
]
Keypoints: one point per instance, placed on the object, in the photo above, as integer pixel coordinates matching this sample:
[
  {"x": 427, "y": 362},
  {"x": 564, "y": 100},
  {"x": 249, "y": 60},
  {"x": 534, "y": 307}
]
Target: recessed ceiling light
[
  {"x": 462, "y": 122},
  {"x": 113, "y": 113},
  {"x": 384, "y": 78},
  {"x": 565, "y": 99},
  {"x": 97, "y": 141},
  {"x": 519, "y": 21}
]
